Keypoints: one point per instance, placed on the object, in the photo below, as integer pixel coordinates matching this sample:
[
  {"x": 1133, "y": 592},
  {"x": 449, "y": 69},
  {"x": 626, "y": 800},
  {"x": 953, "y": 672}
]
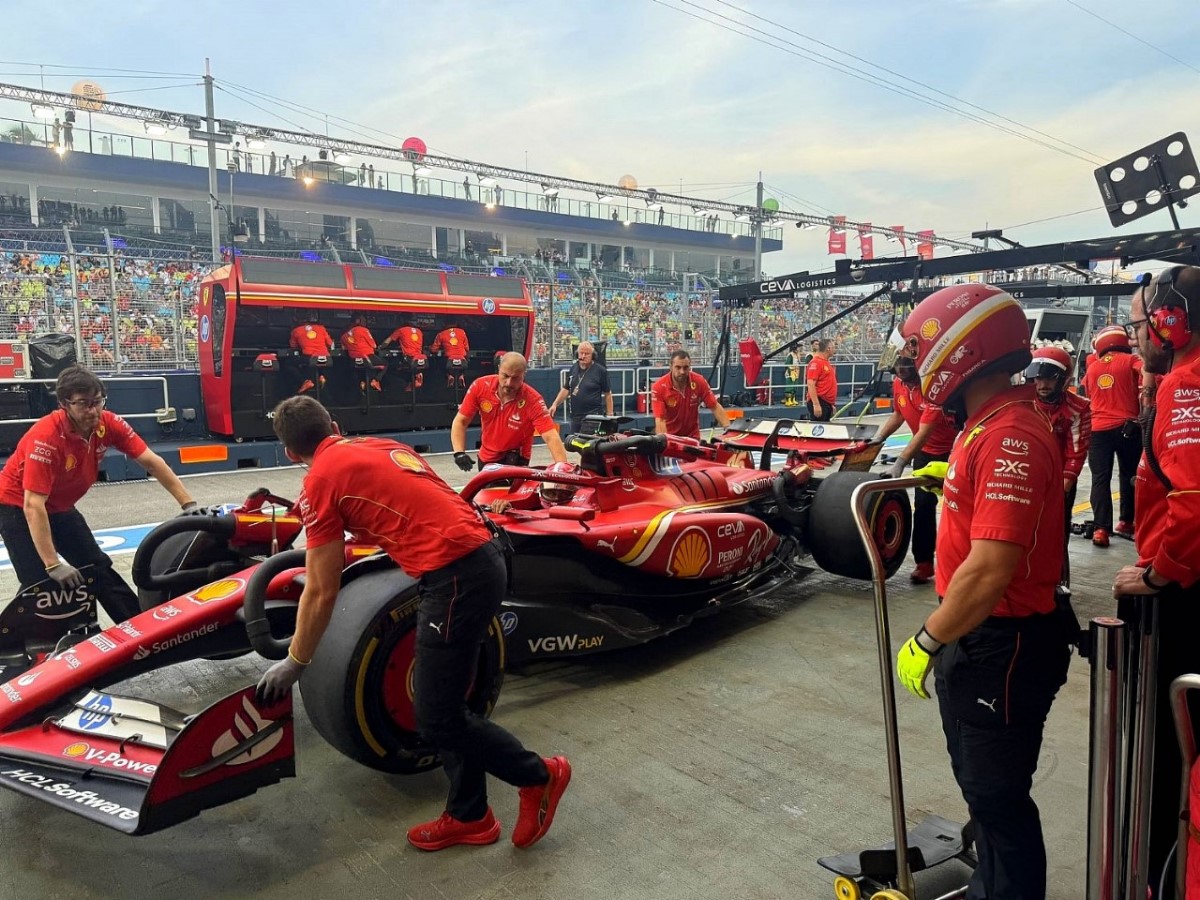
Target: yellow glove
[
  {"x": 935, "y": 471},
  {"x": 914, "y": 661}
]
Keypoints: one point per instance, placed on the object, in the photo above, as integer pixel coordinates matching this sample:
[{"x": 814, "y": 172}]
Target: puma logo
[
  {"x": 437, "y": 626},
  {"x": 990, "y": 705},
  {"x": 611, "y": 545}
]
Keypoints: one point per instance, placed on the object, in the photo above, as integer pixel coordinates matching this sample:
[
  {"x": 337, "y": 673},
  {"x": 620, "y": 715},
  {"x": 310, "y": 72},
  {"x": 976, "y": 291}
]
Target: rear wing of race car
[
  {"x": 813, "y": 440},
  {"x": 140, "y": 767}
]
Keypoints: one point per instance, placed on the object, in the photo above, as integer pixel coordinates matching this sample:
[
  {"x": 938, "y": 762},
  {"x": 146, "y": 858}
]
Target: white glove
[{"x": 896, "y": 469}]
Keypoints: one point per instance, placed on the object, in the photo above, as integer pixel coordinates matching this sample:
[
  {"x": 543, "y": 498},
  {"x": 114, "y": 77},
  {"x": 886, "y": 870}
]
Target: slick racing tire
[
  {"x": 833, "y": 535},
  {"x": 358, "y": 688}
]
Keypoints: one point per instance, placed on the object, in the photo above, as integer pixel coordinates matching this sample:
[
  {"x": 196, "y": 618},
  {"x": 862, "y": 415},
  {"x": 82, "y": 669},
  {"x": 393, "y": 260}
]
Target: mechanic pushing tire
[
  {"x": 833, "y": 535},
  {"x": 358, "y": 689}
]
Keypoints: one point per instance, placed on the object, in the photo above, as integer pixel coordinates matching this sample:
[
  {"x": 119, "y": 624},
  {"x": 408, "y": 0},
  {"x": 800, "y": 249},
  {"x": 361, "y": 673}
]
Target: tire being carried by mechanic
[
  {"x": 358, "y": 690},
  {"x": 833, "y": 535}
]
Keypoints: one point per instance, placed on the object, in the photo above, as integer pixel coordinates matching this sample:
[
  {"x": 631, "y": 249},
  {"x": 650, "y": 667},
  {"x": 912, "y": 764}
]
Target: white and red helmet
[
  {"x": 1110, "y": 338},
  {"x": 961, "y": 332},
  {"x": 1050, "y": 362},
  {"x": 555, "y": 493}
]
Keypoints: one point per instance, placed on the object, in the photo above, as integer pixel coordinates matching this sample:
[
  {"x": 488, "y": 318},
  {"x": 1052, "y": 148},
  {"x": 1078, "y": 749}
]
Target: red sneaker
[
  {"x": 1124, "y": 527},
  {"x": 446, "y": 831},
  {"x": 539, "y": 802},
  {"x": 922, "y": 574},
  {"x": 1100, "y": 537},
  {"x": 375, "y": 385},
  {"x": 307, "y": 386}
]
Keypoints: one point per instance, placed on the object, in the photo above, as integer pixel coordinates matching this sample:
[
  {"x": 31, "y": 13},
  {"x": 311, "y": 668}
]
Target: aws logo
[{"x": 406, "y": 460}]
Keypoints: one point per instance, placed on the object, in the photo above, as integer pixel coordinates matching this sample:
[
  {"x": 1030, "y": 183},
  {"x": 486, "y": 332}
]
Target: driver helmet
[
  {"x": 962, "y": 332},
  {"x": 1110, "y": 338},
  {"x": 1050, "y": 362},
  {"x": 555, "y": 494}
]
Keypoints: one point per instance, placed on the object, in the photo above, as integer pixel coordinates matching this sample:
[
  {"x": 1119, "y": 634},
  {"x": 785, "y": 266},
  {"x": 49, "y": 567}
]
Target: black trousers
[
  {"x": 511, "y": 458},
  {"x": 74, "y": 541},
  {"x": 995, "y": 686},
  {"x": 924, "y": 533},
  {"x": 826, "y": 411},
  {"x": 1126, "y": 444},
  {"x": 458, "y": 602}
]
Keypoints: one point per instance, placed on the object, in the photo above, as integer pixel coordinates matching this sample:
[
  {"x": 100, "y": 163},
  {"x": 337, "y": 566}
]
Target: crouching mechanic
[
  {"x": 383, "y": 492},
  {"x": 997, "y": 646},
  {"x": 53, "y": 466}
]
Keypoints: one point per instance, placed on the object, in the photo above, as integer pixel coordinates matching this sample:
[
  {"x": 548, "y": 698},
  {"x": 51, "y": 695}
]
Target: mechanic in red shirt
[
  {"x": 359, "y": 343},
  {"x": 822, "y": 382},
  {"x": 996, "y": 642},
  {"x": 1166, "y": 326},
  {"x": 412, "y": 344},
  {"x": 1112, "y": 381},
  {"x": 311, "y": 339},
  {"x": 382, "y": 492},
  {"x": 511, "y": 413},
  {"x": 452, "y": 343},
  {"x": 53, "y": 466},
  {"x": 675, "y": 399},
  {"x": 1071, "y": 416},
  {"x": 933, "y": 436}
]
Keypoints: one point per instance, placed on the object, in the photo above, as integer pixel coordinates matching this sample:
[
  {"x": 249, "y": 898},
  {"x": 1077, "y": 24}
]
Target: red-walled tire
[
  {"x": 358, "y": 689},
  {"x": 833, "y": 535}
]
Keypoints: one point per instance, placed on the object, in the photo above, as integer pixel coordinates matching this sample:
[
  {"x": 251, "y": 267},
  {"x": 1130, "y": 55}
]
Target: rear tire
[
  {"x": 833, "y": 535},
  {"x": 358, "y": 688}
]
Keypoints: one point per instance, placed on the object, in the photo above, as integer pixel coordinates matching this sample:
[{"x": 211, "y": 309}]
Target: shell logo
[
  {"x": 930, "y": 329},
  {"x": 218, "y": 590},
  {"x": 1106, "y": 380},
  {"x": 486, "y": 406},
  {"x": 406, "y": 460},
  {"x": 71, "y": 462},
  {"x": 690, "y": 554},
  {"x": 310, "y": 334},
  {"x": 76, "y": 750},
  {"x": 672, "y": 402}
]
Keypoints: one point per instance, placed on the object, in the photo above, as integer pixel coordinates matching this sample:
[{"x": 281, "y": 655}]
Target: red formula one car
[{"x": 660, "y": 530}]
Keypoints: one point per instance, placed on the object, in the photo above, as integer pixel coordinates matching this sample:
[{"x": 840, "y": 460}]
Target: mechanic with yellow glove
[{"x": 998, "y": 651}]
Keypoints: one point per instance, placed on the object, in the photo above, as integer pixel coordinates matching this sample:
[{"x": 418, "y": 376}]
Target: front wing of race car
[{"x": 140, "y": 767}]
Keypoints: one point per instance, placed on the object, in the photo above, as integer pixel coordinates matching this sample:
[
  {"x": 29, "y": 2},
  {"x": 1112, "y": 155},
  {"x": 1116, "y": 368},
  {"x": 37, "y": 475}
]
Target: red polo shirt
[
  {"x": 820, "y": 371},
  {"x": 506, "y": 426},
  {"x": 382, "y": 492},
  {"x": 1167, "y": 524},
  {"x": 681, "y": 409},
  {"x": 52, "y": 459},
  {"x": 1112, "y": 383},
  {"x": 1072, "y": 421},
  {"x": 410, "y": 339},
  {"x": 311, "y": 340},
  {"x": 1004, "y": 483},
  {"x": 358, "y": 342},
  {"x": 916, "y": 412},
  {"x": 453, "y": 342}
]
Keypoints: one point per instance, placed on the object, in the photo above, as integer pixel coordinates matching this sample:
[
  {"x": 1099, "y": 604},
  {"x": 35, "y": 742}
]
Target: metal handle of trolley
[{"x": 860, "y": 500}]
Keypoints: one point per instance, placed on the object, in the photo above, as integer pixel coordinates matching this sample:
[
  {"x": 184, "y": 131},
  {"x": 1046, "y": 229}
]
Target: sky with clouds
[{"x": 595, "y": 89}]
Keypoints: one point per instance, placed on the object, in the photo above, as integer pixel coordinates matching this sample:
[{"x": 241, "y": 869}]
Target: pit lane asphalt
[{"x": 718, "y": 762}]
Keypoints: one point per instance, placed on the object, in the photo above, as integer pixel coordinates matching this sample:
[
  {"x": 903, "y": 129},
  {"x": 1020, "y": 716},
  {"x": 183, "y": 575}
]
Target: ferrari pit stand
[{"x": 887, "y": 871}]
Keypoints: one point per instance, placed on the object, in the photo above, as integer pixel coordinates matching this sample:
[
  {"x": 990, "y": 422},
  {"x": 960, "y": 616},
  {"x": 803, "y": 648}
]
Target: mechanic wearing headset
[
  {"x": 676, "y": 399},
  {"x": 996, "y": 643},
  {"x": 933, "y": 435},
  {"x": 53, "y": 466},
  {"x": 1112, "y": 381},
  {"x": 1168, "y": 520},
  {"x": 383, "y": 492},
  {"x": 311, "y": 339},
  {"x": 359, "y": 343},
  {"x": 511, "y": 412},
  {"x": 587, "y": 387}
]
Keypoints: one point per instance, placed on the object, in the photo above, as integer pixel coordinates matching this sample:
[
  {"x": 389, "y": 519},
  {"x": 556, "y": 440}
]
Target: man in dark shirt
[{"x": 587, "y": 386}]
